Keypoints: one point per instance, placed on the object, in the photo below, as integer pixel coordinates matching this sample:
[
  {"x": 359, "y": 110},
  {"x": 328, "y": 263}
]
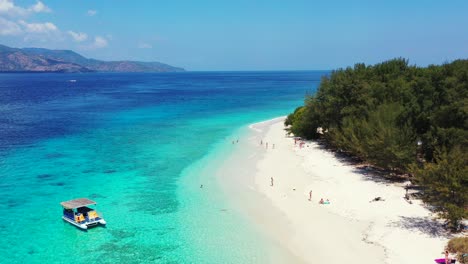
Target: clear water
[{"x": 136, "y": 144}]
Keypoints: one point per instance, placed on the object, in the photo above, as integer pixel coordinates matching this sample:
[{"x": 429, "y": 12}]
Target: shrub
[{"x": 459, "y": 245}]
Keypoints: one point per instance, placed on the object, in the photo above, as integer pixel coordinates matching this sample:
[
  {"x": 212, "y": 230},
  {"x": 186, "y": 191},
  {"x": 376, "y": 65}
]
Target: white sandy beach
[{"x": 349, "y": 230}]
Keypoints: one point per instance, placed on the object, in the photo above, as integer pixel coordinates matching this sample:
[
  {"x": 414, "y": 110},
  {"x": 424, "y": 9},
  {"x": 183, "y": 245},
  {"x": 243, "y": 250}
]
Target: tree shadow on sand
[
  {"x": 430, "y": 227},
  {"x": 368, "y": 171}
]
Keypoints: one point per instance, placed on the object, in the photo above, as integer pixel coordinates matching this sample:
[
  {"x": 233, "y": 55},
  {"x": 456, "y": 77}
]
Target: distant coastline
[{"x": 38, "y": 60}]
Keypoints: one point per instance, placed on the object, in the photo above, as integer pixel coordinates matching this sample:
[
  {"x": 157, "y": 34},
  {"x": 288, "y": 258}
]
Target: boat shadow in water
[{"x": 65, "y": 222}]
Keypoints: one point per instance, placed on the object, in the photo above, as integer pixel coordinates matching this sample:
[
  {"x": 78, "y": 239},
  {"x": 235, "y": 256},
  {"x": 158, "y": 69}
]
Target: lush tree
[
  {"x": 379, "y": 112},
  {"x": 446, "y": 182}
]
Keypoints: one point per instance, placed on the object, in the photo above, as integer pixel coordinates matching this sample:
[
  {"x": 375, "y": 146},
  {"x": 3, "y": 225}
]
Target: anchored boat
[{"x": 77, "y": 213}]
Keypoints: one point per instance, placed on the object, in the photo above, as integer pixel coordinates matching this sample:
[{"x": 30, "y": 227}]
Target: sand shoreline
[{"x": 349, "y": 230}]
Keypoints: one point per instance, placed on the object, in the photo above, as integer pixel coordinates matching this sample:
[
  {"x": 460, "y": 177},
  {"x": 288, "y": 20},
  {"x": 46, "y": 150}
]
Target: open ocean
[{"x": 132, "y": 142}]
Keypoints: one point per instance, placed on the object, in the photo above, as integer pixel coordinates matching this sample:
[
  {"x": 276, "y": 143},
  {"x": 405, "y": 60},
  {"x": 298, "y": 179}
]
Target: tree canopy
[{"x": 403, "y": 118}]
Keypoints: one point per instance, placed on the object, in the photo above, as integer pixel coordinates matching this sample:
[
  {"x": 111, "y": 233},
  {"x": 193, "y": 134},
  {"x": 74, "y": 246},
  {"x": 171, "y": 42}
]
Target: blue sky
[{"x": 241, "y": 34}]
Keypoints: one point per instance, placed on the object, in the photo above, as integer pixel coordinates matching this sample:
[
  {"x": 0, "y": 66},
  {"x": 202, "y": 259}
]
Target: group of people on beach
[
  {"x": 324, "y": 202},
  {"x": 266, "y": 144},
  {"x": 301, "y": 143},
  {"x": 321, "y": 199},
  {"x": 327, "y": 201}
]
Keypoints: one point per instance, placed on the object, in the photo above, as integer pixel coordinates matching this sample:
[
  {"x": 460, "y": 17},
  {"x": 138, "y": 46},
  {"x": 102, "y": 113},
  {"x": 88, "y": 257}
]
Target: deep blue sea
[{"x": 125, "y": 141}]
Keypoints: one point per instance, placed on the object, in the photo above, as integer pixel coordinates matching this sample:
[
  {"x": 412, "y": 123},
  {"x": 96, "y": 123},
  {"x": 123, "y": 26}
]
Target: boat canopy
[{"x": 77, "y": 203}]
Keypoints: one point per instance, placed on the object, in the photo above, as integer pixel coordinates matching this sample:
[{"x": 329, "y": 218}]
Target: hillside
[{"x": 45, "y": 60}]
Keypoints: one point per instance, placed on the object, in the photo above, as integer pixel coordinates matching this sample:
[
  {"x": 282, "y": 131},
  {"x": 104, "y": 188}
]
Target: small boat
[{"x": 77, "y": 213}]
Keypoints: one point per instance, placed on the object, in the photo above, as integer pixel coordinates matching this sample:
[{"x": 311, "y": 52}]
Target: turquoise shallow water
[{"x": 136, "y": 144}]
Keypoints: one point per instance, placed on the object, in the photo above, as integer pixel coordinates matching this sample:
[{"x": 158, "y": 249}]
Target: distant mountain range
[{"x": 45, "y": 60}]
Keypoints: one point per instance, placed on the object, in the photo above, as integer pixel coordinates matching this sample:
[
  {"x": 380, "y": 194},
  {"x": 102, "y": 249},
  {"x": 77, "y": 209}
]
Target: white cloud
[
  {"x": 91, "y": 12},
  {"x": 99, "y": 42},
  {"x": 145, "y": 46},
  {"x": 9, "y": 8},
  {"x": 8, "y": 27},
  {"x": 6, "y": 5},
  {"x": 78, "y": 36},
  {"x": 46, "y": 27},
  {"x": 40, "y": 7}
]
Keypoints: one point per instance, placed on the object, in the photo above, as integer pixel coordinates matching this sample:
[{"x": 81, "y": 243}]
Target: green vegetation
[
  {"x": 402, "y": 118},
  {"x": 459, "y": 245}
]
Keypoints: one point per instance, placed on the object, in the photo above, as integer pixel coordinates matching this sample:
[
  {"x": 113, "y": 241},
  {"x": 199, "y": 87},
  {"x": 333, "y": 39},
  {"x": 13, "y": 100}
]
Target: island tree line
[{"x": 401, "y": 118}]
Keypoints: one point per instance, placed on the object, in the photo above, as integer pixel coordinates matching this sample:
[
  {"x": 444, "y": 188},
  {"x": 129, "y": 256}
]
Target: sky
[{"x": 217, "y": 35}]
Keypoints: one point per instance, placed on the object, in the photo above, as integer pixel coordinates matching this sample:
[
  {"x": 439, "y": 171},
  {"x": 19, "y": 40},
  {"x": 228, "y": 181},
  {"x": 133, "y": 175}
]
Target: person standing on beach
[
  {"x": 261, "y": 142},
  {"x": 266, "y": 144},
  {"x": 271, "y": 181},
  {"x": 310, "y": 195}
]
